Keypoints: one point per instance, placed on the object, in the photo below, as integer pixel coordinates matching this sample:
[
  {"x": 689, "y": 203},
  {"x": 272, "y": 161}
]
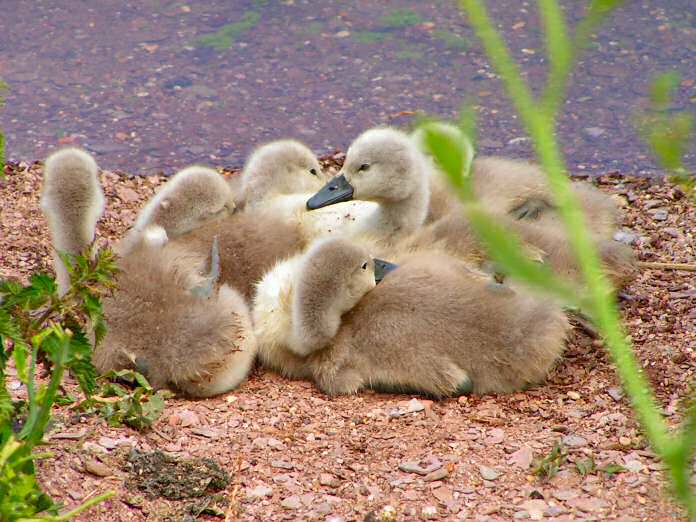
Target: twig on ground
[{"x": 654, "y": 265}]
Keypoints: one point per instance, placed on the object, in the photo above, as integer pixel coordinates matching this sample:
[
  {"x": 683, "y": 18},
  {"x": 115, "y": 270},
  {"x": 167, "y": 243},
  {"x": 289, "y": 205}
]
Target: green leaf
[
  {"x": 603, "y": 7},
  {"x": 453, "y": 153},
  {"x": 6, "y": 407},
  {"x": 44, "y": 284},
  {"x": 79, "y": 360},
  {"x": 9, "y": 329},
  {"x": 138, "y": 408},
  {"x": 612, "y": 469},
  {"x": 507, "y": 252},
  {"x": 93, "y": 308},
  {"x": 586, "y": 466},
  {"x": 662, "y": 90}
]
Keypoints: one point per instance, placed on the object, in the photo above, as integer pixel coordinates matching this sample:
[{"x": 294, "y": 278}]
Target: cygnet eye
[
  {"x": 364, "y": 167},
  {"x": 364, "y": 265},
  {"x": 313, "y": 172}
]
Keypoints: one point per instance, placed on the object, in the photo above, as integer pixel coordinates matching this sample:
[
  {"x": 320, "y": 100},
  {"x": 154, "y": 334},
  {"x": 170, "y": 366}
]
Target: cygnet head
[
  {"x": 336, "y": 269},
  {"x": 381, "y": 164},
  {"x": 192, "y": 197},
  {"x": 278, "y": 168}
]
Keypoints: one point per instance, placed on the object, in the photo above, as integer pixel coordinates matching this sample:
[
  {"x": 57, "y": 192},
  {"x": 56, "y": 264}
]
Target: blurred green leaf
[
  {"x": 585, "y": 466},
  {"x": 506, "y": 250},
  {"x": 612, "y": 469},
  {"x": 662, "y": 90}
]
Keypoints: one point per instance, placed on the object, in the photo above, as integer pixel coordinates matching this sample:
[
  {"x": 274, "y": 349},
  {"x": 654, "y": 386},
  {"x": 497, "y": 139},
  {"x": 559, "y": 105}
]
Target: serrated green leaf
[
  {"x": 43, "y": 284},
  {"x": 6, "y": 408},
  {"x": 10, "y": 330},
  {"x": 80, "y": 361},
  {"x": 20, "y": 353},
  {"x": 93, "y": 308}
]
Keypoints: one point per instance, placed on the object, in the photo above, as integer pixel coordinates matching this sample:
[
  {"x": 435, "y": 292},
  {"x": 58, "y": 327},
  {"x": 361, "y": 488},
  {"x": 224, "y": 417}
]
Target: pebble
[
  {"x": 327, "y": 479},
  {"x": 565, "y": 494},
  {"x": 573, "y": 395},
  {"x": 659, "y": 214},
  {"x": 634, "y": 466},
  {"x": 414, "y": 405},
  {"x": 429, "y": 513},
  {"x": 615, "y": 393},
  {"x": 92, "y": 446},
  {"x": 495, "y": 436},
  {"x": 535, "y": 508},
  {"x": 522, "y": 458},
  {"x": 260, "y": 492},
  {"x": 488, "y": 473},
  {"x": 292, "y": 502},
  {"x": 438, "y": 474},
  {"x": 97, "y": 468},
  {"x": 415, "y": 467},
  {"x": 183, "y": 418},
  {"x": 594, "y": 132},
  {"x": 282, "y": 464},
  {"x": 574, "y": 441},
  {"x": 588, "y": 504}
]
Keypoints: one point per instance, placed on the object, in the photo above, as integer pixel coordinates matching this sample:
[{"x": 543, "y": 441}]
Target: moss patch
[
  {"x": 400, "y": 18},
  {"x": 159, "y": 475},
  {"x": 410, "y": 52},
  {"x": 370, "y": 37},
  {"x": 452, "y": 40},
  {"x": 224, "y": 37}
]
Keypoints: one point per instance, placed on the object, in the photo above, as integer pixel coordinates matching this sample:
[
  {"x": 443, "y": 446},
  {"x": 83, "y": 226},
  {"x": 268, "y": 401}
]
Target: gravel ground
[{"x": 295, "y": 454}]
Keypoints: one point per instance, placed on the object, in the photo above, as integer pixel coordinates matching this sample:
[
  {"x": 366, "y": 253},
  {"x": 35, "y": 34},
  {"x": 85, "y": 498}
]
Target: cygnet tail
[{"x": 72, "y": 201}]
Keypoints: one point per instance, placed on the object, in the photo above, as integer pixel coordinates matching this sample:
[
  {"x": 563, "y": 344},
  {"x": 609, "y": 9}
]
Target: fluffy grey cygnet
[
  {"x": 433, "y": 325},
  {"x": 165, "y": 318}
]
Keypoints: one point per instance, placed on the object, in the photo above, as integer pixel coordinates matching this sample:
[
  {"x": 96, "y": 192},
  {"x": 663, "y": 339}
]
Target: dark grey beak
[
  {"x": 206, "y": 289},
  {"x": 382, "y": 268},
  {"x": 335, "y": 191}
]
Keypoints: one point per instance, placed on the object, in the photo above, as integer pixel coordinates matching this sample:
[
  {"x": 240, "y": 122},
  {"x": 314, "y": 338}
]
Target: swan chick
[
  {"x": 432, "y": 326},
  {"x": 164, "y": 317},
  {"x": 385, "y": 166},
  {"x": 178, "y": 327},
  {"x": 282, "y": 174},
  {"x": 193, "y": 197}
]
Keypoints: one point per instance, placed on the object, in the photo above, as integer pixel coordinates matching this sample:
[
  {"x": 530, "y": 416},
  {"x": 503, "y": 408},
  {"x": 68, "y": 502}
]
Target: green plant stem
[
  {"x": 560, "y": 53},
  {"x": 36, "y": 423},
  {"x": 601, "y": 302},
  {"x": 73, "y": 513},
  {"x": 31, "y": 391}
]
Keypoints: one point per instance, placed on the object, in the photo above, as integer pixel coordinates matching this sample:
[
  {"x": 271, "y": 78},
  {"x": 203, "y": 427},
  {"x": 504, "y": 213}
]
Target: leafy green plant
[
  {"x": 589, "y": 467},
  {"x": 668, "y": 133},
  {"x": 126, "y": 397},
  {"x": 595, "y": 297},
  {"x": 224, "y": 37},
  {"x": 39, "y": 326},
  {"x": 547, "y": 467}
]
